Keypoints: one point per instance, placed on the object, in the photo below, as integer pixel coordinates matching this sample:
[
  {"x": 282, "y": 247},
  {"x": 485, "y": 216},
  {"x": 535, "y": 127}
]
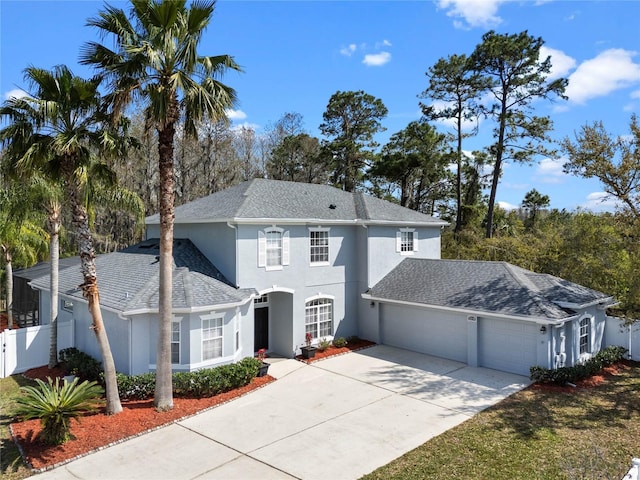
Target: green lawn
[
  {"x": 587, "y": 434},
  {"x": 11, "y": 466}
]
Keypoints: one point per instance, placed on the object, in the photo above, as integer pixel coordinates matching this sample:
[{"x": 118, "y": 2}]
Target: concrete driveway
[{"x": 338, "y": 418}]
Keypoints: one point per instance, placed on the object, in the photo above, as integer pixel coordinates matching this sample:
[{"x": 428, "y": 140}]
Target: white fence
[
  {"x": 26, "y": 348},
  {"x": 615, "y": 333}
]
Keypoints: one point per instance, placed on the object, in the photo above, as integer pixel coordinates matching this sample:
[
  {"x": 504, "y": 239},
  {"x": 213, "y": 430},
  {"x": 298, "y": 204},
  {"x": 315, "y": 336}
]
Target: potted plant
[
  {"x": 308, "y": 351},
  {"x": 264, "y": 367}
]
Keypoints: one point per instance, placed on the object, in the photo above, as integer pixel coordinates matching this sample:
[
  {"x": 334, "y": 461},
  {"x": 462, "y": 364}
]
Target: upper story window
[
  {"x": 273, "y": 248},
  {"x": 319, "y": 246},
  {"x": 406, "y": 241},
  {"x": 585, "y": 335}
]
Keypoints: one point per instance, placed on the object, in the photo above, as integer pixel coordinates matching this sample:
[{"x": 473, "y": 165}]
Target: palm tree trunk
[
  {"x": 90, "y": 292},
  {"x": 163, "y": 395},
  {"x": 53, "y": 224}
]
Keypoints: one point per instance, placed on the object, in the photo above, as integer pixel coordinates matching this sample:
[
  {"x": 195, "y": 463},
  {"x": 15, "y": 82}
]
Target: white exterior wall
[{"x": 616, "y": 334}]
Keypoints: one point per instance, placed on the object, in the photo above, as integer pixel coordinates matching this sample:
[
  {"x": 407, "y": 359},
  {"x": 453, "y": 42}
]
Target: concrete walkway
[{"x": 339, "y": 418}]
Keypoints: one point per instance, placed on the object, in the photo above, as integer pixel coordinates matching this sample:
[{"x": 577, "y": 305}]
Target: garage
[
  {"x": 509, "y": 346},
  {"x": 435, "y": 333}
]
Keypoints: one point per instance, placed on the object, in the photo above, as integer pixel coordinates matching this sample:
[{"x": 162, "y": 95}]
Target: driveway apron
[{"x": 338, "y": 418}]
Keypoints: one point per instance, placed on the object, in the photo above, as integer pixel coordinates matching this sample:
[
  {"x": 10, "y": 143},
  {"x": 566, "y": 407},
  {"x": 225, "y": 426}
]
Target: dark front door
[{"x": 261, "y": 328}]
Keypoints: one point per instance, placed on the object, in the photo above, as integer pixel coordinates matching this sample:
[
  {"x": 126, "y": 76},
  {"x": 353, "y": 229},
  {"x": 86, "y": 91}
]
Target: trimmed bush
[
  {"x": 202, "y": 383},
  {"x": 323, "y": 345},
  {"x": 339, "y": 342},
  {"x": 604, "y": 358},
  {"x": 55, "y": 404},
  {"x": 80, "y": 364}
]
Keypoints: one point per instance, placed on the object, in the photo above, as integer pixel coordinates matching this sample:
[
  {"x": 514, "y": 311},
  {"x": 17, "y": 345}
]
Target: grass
[
  {"x": 11, "y": 465},
  {"x": 537, "y": 434}
]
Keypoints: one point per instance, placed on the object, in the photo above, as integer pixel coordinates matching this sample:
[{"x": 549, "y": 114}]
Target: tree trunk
[
  {"x": 90, "y": 290},
  {"x": 458, "y": 226},
  {"x": 163, "y": 397},
  {"x": 497, "y": 168},
  {"x": 53, "y": 224}
]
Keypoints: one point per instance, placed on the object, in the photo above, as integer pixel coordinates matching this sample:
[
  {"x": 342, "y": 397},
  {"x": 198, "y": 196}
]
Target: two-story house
[{"x": 261, "y": 264}]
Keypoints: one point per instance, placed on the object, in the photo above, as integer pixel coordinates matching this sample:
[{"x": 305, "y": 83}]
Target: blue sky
[{"x": 295, "y": 55}]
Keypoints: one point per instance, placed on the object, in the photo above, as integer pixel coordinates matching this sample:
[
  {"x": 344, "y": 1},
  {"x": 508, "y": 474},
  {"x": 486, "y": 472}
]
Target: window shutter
[
  {"x": 262, "y": 249},
  {"x": 285, "y": 248},
  {"x": 415, "y": 240},
  {"x": 398, "y": 241}
]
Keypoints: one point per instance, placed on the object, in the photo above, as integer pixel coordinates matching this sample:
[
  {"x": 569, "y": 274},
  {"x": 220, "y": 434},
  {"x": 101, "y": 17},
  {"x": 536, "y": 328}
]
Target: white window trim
[
  {"x": 399, "y": 241},
  {"x": 323, "y": 263},
  {"x": 320, "y": 296},
  {"x": 261, "y": 301},
  {"x": 237, "y": 333},
  {"x": 211, "y": 316},
  {"x": 179, "y": 342},
  {"x": 590, "y": 337},
  {"x": 262, "y": 248}
]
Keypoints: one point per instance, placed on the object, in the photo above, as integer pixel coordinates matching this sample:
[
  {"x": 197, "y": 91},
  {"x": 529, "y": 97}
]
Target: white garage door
[
  {"x": 507, "y": 345},
  {"x": 425, "y": 331}
]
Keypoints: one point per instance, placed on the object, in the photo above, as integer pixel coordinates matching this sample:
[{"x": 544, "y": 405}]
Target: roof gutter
[
  {"x": 603, "y": 302},
  {"x": 468, "y": 311},
  {"x": 297, "y": 221},
  {"x": 204, "y": 308}
]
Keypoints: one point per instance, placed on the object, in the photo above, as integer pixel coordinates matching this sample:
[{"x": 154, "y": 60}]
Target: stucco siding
[{"x": 433, "y": 332}]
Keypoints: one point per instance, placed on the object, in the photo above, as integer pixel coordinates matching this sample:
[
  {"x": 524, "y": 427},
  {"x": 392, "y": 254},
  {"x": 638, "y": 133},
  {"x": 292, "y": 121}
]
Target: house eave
[
  {"x": 603, "y": 302},
  {"x": 470, "y": 311},
  {"x": 305, "y": 221},
  {"x": 187, "y": 310}
]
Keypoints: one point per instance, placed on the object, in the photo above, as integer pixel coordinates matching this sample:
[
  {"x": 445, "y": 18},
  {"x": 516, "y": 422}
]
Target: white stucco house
[{"x": 260, "y": 264}]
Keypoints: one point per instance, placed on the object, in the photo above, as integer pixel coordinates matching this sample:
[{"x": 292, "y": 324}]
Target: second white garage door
[{"x": 434, "y": 333}]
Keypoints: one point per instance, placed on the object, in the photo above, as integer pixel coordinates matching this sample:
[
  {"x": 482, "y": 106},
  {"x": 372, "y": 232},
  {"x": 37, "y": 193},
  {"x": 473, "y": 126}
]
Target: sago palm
[
  {"x": 156, "y": 60},
  {"x": 56, "y": 403}
]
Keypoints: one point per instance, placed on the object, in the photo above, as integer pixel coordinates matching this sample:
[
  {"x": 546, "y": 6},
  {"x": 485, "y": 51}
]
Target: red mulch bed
[
  {"x": 98, "y": 430},
  {"x": 587, "y": 383},
  {"x": 333, "y": 351}
]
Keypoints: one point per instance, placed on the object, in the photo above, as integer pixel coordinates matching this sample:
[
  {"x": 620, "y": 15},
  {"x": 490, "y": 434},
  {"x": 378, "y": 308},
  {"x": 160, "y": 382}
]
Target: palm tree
[
  {"x": 156, "y": 60},
  {"x": 56, "y": 130}
]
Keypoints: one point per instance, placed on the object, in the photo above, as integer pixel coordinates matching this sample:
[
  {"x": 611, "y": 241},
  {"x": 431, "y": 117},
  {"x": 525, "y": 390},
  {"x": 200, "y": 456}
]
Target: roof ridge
[{"x": 519, "y": 275}]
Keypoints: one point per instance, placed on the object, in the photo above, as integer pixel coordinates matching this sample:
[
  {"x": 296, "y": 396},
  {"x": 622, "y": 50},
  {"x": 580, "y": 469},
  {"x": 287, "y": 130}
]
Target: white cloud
[
  {"x": 245, "y": 126},
  {"x": 561, "y": 63},
  {"x": 600, "y": 202},
  {"x": 611, "y": 70},
  {"x": 376, "y": 59},
  {"x": 236, "y": 114},
  {"x": 348, "y": 50},
  {"x": 508, "y": 206},
  {"x": 550, "y": 171},
  {"x": 476, "y": 13},
  {"x": 635, "y": 94},
  {"x": 16, "y": 93}
]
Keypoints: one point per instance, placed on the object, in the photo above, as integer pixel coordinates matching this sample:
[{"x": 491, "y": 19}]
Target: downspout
[{"x": 237, "y": 260}]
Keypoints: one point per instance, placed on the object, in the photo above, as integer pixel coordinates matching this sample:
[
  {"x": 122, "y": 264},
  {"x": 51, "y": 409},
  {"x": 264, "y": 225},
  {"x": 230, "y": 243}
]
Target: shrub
[
  {"x": 339, "y": 342},
  {"x": 201, "y": 383},
  {"x": 353, "y": 339},
  {"x": 323, "y": 345},
  {"x": 80, "y": 364},
  {"x": 55, "y": 404},
  {"x": 604, "y": 358}
]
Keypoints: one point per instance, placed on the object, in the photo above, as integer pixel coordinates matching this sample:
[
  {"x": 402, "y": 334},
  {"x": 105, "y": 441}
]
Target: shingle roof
[
  {"x": 495, "y": 287},
  {"x": 275, "y": 199},
  {"x": 128, "y": 280}
]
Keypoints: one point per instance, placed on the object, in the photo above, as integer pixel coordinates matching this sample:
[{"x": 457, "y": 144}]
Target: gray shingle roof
[
  {"x": 495, "y": 287},
  {"x": 128, "y": 280},
  {"x": 274, "y": 199}
]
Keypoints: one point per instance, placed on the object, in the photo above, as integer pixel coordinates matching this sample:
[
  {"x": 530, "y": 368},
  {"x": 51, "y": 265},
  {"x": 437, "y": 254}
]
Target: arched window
[
  {"x": 318, "y": 318},
  {"x": 585, "y": 335}
]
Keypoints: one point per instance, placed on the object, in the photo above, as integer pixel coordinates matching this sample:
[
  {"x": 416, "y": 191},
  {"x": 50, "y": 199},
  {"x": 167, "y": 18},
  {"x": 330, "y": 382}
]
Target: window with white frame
[
  {"x": 261, "y": 300},
  {"x": 585, "y": 335},
  {"x": 319, "y": 246},
  {"x": 211, "y": 338},
  {"x": 236, "y": 324},
  {"x": 406, "y": 241},
  {"x": 175, "y": 342},
  {"x": 273, "y": 248},
  {"x": 318, "y": 317}
]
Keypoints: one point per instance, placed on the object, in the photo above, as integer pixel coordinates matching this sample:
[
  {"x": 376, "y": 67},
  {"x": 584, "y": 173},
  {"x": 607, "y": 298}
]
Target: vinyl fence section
[
  {"x": 26, "y": 348},
  {"x": 616, "y": 333}
]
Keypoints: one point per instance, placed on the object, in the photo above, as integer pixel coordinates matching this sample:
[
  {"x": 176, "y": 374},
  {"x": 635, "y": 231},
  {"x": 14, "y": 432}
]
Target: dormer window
[
  {"x": 273, "y": 248},
  {"x": 406, "y": 241}
]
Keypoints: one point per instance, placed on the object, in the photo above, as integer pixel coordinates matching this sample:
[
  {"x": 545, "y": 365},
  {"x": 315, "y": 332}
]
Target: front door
[{"x": 261, "y": 328}]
